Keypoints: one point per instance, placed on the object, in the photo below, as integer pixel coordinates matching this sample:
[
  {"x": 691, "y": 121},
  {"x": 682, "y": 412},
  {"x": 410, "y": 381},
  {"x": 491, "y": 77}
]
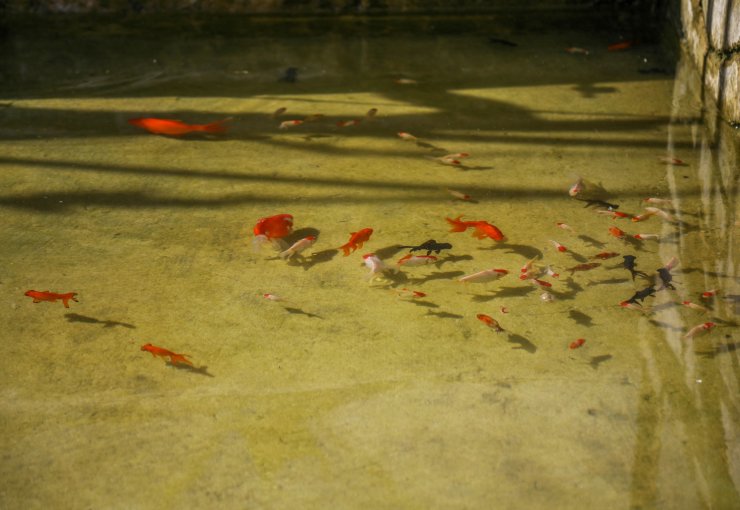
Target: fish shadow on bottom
[
  {"x": 503, "y": 292},
  {"x": 315, "y": 258},
  {"x": 444, "y": 315},
  {"x": 719, "y": 349},
  {"x": 427, "y": 304},
  {"x": 596, "y": 361},
  {"x": 203, "y": 370},
  {"x": 75, "y": 317},
  {"x": 299, "y": 311},
  {"x": 591, "y": 241},
  {"x": 445, "y": 275},
  {"x": 388, "y": 251},
  {"x": 522, "y": 343},
  {"x": 580, "y": 318},
  {"x": 528, "y": 252}
]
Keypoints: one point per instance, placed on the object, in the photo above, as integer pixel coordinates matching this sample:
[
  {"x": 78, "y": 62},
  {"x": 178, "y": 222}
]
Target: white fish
[
  {"x": 376, "y": 265},
  {"x": 484, "y": 276},
  {"x": 576, "y": 188},
  {"x": 298, "y": 247},
  {"x": 701, "y": 328}
]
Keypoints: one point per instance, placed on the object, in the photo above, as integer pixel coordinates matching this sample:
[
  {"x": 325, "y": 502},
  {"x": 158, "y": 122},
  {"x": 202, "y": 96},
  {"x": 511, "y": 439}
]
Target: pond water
[{"x": 352, "y": 391}]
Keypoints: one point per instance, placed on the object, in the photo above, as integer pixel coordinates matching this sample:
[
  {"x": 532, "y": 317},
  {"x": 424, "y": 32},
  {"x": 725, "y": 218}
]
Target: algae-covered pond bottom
[{"x": 347, "y": 394}]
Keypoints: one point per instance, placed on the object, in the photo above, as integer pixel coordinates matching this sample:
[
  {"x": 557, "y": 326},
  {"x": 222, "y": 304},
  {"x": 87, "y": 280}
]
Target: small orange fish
[
  {"x": 584, "y": 267},
  {"x": 410, "y": 294},
  {"x": 412, "y": 260},
  {"x": 356, "y": 240},
  {"x": 483, "y": 229},
  {"x": 620, "y": 46},
  {"x": 617, "y": 232},
  {"x": 668, "y": 160},
  {"x": 541, "y": 283},
  {"x": 614, "y": 214},
  {"x": 558, "y": 246},
  {"x": 52, "y": 297},
  {"x": 576, "y": 49},
  {"x": 605, "y": 255},
  {"x": 709, "y": 293},
  {"x": 177, "y": 128},
  {"x": 490, "y": 322},
  {"x": 164, "y": 353},
  {"x": 577, "y": 343}
]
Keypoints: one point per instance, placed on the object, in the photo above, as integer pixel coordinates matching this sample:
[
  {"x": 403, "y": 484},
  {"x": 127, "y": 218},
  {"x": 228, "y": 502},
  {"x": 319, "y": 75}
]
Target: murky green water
[{"x": 345, "y": 395}]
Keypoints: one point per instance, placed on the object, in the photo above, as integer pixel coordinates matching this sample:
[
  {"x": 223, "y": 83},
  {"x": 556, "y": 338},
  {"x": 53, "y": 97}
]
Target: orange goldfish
[
  {"x": 52, "y": 297},
  {"x": 490, "y": 322},
  {"x": 164, "y": 353},
  {"x": 177, "y": 128},
  {"x": 356, "y": 240},
  {"x": 577, "y": 343},
  {"x": 482, "y": 230}
]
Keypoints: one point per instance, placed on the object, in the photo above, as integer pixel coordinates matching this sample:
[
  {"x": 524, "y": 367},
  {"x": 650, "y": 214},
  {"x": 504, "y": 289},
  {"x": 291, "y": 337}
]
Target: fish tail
[
  {"x": 215, "y": 127},
  {"x": 345, "y": 249},
  {"x": 457, "y": 224}
]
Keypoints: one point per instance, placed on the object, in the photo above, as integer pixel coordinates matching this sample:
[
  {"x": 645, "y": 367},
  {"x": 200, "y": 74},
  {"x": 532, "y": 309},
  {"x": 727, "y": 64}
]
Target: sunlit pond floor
[{"x": 348, "y": 394}]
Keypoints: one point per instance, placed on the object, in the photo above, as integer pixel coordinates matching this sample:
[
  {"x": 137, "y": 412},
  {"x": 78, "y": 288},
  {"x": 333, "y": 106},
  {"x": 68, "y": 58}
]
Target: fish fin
[{"x": 215, "y": 127}]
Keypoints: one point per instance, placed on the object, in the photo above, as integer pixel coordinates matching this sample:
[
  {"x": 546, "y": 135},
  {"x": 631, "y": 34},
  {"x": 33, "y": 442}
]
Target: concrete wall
[{"x": 711, "y": 30}]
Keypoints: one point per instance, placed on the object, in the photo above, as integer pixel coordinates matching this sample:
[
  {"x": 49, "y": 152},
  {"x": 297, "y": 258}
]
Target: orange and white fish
[
  {"x": 659, "y": 201},
  {"x": 45, "y": 295},
  {"x": 164, "y": 353},
  {"x": 695, "y": 306},
  {"x": 273, "y": 297},
  {"x": 407, "y": 136},
  {"x": 527, "y": 268},
  {"x": 490, "y": 322},
  {"x": 171, "y": 127},
  {"x": 289, "y": 124},
  {"x": 412, "y": 260},
  {"x": 576, "y": 188},
  {"x": 558, "y": 246},
  {"x": 643, "y": 216},
  {"x": 459, "y": 195},
  {"x": 356, "y": 240},
  {"x": 701, "y": 328},
  {"x": 575, "y": 49},
  {"x": 348, "y": 123},
  {"x": 709, "y": 293},
  {"x": 541, "y": 283},
  {"x": 551, "y": 273},
  {"x": 487, "y": 275},
  {"x": 298, "y": 247},
  {"x": 660, "y": 212},
  {"x": 376, "y": 265},
  {"x": 272, "y": 228},
  {"x": 647, "y": 237},
  {"x": 445, "y": 160},
  {"x": 673, "y": 262},
  {"x": 564, "y": 226},
  {"x": 577, "y": 343}
]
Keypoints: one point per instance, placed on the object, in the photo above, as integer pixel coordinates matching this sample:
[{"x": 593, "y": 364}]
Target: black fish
[
  {"x": 666, "y": 277},
  {"x": 290, "y": 75},
  {"x": 642, "y": 294},
  {"x": 502, "y": 42},
  {"x": 598, "y": 203},
  {"x": 629, "y": 264},
  {"x": 430, "y": 246}
]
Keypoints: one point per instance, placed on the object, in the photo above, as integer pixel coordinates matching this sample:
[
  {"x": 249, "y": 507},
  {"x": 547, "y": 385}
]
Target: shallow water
[{"x": 346, "y": 393}]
